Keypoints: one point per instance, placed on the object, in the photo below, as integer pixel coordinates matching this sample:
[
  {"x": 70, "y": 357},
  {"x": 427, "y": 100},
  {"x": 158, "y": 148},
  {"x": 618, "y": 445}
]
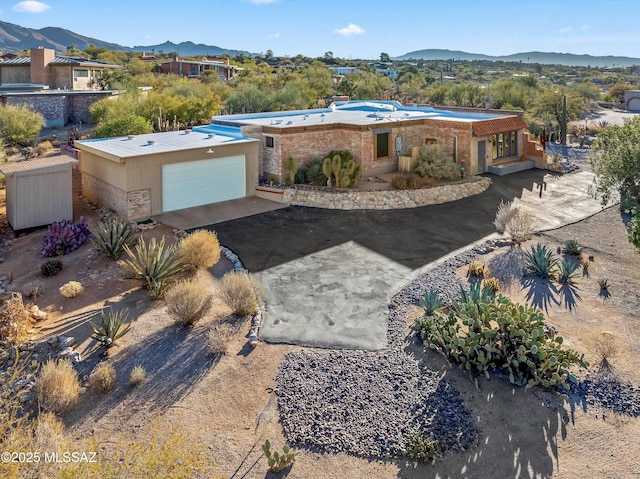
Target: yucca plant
[
  {"x": 568, "y": 271},
  {"x": 572, "y": 247},
  {"x": 540, "y": 261},
  {"x": 153, "y": 264},
  {"x": 113, "y": 326},
  {"x": 112, "y": 236},
  {"x": 430, "y": 302}
]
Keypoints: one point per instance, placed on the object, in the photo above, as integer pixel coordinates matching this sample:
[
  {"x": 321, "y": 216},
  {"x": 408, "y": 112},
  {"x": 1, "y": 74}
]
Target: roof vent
[
  {"x": 289, "y": 122},
  {"x": 211, "y": 135},
  {"x": 150, "y": 142},
  {"x": 130, "y": 137}
]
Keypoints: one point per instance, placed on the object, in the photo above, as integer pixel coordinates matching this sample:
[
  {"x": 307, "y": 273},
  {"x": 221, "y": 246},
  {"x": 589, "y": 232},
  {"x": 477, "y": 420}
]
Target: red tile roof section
[{"x": 498, "y": 125}]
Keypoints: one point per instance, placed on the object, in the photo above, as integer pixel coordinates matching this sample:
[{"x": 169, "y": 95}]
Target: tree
[
  {"x": 124, "y": 125},
  {"x": 111, "y": 80},
  {"x": 19, "y": 125},
  {"x": 550, "y": 103},
  {"x": 615, "y": 159},
  {"x": 385, "y": 58}
]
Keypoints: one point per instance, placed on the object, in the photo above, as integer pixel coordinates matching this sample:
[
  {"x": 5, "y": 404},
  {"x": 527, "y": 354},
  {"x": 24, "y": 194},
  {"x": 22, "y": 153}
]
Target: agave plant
[
  {"x": 112, "y": 236},
  {"x": 113, "y": 326},
  {"x": 572, "y": 247},
  {"x": 540, "y": 261},
  {"x": 153, "y": 264},
  {"x": 430, "y": 302},
  {"x": 567, "y": 271}
]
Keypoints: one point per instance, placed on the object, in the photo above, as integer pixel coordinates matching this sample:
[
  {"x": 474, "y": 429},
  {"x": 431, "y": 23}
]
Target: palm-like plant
[
  {"x": 540, "y": 261},
  {"x": 567, "y": 271},
  {"x": 112, "y": 236},
  {"x": 113, "y": 326},
  {"x": 153, "y": 264}
]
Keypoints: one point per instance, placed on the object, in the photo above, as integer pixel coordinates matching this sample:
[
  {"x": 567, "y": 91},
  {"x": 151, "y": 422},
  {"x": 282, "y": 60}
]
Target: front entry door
[{"x": 482, "y": 156}]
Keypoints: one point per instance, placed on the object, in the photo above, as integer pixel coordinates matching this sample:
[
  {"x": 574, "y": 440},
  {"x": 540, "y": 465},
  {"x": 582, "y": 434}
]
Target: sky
[{"x": 359, "y": 29}]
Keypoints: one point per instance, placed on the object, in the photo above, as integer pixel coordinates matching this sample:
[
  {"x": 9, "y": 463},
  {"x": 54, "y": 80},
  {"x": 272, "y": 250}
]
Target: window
[
  {"x": 382, "y": 145},
  {"x": 268, "y": 141},
  {"x": 505, "y": 145},
  {"x": 81, "y": 73},
  {"x": 430, "y": 141}
]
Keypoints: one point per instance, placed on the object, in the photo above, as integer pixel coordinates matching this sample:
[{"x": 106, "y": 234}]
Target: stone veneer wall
[
  {"x": 134, "y": 205},
  {"x": 384, "y": 199}
]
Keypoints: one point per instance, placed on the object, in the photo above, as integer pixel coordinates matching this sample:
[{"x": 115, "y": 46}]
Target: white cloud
[
  {"x": 351, "y": 29},
  {"x": 259, "y": 2},
  {"x": 565, "y": 30},
  {"x": 274, "y": 35},
  {"x": 31, "y": 6},
  {"x": 584, "y": 28}
]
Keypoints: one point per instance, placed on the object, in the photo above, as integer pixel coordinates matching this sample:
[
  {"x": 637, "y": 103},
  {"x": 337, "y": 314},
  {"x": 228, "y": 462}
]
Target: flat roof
[
  {"x": 208, "y": 136},
  {"x": 378, "y": 113},
  {"x": 9, "y": 169}
]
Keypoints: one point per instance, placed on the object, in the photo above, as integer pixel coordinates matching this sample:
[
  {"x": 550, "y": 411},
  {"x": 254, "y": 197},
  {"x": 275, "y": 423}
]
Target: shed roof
[
  {"x": 498, "y": 125},
  {"x": 8, "y": 169}
]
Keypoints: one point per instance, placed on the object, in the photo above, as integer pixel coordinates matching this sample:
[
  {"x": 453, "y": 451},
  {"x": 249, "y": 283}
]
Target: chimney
[{"x": 40, "y": 70}]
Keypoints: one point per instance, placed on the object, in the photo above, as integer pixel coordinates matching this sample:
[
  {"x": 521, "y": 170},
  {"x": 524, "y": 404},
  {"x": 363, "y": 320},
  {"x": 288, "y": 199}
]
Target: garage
[
  {"x": 195, "y": 183},
  {"x": 633, "y": 104}
]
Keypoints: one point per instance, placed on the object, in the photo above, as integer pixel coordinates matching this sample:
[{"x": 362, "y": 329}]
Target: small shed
[{"x": 39, "y": 191}]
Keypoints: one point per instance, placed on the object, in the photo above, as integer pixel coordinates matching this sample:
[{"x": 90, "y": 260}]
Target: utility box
[{"x": 39, "y": 191}]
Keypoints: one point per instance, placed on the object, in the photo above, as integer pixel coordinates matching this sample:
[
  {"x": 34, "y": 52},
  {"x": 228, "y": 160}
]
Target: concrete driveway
[{"x": 329, "y": 274}]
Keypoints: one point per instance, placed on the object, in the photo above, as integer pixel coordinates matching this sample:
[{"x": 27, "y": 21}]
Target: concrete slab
[
  {"x": 205, "y": 215},
  {"x": 335, "y": 298}
]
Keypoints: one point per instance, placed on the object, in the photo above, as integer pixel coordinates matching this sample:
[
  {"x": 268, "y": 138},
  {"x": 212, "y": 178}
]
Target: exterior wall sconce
[{"x": 210, "y": 151}]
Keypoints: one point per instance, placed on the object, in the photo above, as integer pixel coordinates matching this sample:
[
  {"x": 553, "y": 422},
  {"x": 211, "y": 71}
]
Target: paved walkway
[{"x": 329, "y": 274}]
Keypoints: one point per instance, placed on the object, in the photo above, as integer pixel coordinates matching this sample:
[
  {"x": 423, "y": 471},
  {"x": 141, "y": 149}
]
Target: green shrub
[
  {"x": 187, "y": 302},
  {"x": 241, "y": 292},
  {"x": 278, "y": 462},
  {"x": 488, "y": 334},
  {"x": 567, "y": 271},
  {"x": 113, "y": 326},
  {"x": 572, "y": 247},
  {"x": 19, "y": 125},
  {"x": 51, "y": 267},
  {"x": 123, "y": 125},
  {"x": 199, "y": 250},
  {"x": 421, "y": 449},
  {"x": 540, "y": 261},
  {"x": 432, "y": 162},
  {"x": 103, "y": 377},
  {"x": 111, "y": 236},
  {"x": 633, "y": 229},
  {"x": 57, "y": 386},
  {"x": 153, "y": 264}
]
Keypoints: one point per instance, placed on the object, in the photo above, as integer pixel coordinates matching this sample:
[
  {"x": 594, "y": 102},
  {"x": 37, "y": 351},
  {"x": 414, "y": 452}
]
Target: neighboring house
[
  {"x": 342, "y": 71},
  {"x": 145, "y": 175},
  {"x": 378, "y": 133},
  {"x": 632, "y": 100},
  {"x": 195, "y": 69},
  {"x": 57, "y": 87}
]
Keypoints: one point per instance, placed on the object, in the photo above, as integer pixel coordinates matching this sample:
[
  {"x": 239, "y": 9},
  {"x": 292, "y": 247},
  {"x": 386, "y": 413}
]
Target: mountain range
[
  {"x": 545, "y": 58},
  {"x": 15, "y": 38}
]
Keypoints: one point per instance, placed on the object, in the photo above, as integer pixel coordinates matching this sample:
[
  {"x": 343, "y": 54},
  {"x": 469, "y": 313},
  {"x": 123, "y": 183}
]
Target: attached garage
[
  {"x": 634, "y": 104},
  {"x": 195, "y": 183}
]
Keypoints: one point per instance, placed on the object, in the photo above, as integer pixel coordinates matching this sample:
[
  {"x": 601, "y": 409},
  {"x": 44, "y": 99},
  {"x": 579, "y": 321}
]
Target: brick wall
[{"x": 40, "y": 70}]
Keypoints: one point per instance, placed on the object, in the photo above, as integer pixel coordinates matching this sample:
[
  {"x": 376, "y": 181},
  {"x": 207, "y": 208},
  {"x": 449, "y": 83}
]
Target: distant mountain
[
  {"x": 189, "y": 49},
  {"x": 545, "y": 58},
  {"x": 14, "y": 38}
]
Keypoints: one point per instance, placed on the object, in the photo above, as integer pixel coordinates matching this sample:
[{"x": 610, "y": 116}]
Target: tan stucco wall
[
  {"x": 16, "y": 74},
  {"x": 61, "y": 77}
]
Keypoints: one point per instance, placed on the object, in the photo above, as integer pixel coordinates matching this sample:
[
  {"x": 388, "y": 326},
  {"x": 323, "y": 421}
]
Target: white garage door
[
  {"x": 196, "y": 183},
  {"x": 633, "y": 104}
]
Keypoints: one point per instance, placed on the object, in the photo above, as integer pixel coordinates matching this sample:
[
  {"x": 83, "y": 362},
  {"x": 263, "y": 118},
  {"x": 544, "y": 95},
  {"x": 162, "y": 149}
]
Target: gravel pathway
[{"x": 367, "y": 404}]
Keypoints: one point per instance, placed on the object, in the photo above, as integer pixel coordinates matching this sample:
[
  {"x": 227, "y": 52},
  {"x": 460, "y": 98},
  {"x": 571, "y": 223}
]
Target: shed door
[
  {"x": 482, "y": 156},
  {"x": 196, "y": 183},
  {"x": 633, "y": 104}
]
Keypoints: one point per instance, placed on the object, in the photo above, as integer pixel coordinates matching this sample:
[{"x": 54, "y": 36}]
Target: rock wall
[{"x": 384, "y": 199}]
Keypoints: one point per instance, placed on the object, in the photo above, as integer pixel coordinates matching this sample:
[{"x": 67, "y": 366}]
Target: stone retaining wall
[{"x": 384, "y": 199}]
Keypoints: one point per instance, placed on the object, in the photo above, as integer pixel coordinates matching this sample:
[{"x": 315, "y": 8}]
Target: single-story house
[
  {"x": 196, "y": 69},
  {"x": 57, "y": 87},
  {"x": 145, "y": 175},
  {"x": 379, "y": 132}
]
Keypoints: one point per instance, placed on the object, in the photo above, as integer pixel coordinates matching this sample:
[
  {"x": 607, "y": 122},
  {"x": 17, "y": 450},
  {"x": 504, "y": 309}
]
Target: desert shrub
[
  {"x": 15, "y": 320},
  {"x": 71, "y": 289},
  {"x": 540, "y": 261},
  {"x": 33, "y": 288},
  {"x": 188, "y": 301},
  {"x": 341, "y": 169},
  {"x": 218, "y": 338},
  {"x": 505, "y": 212},
  {"x": 585, "y": 263},
  {"x": 313, "y": 171},
  {"x": 606, "y": 348},
  {"x": 125, "y": 124},
  {"x": 111, "y": 236},
  {"x": 113, "y": 326},
  {"x": 432, "y": 162},
  {"x": 19, "y": 125},
  {"x": 567, "y": 271},
  {"x": 200, "y": 250},
  {"x": 65, "y": 236},
  {"x": 138, "y": 376},
  {"x": 521, "y": 226},
  {"x": 572, "y": 247},
  {"x": 430, "y": 302},
  {"x": 604, "y": 284},
  {"x": 57, "y": 386},
  {"x": 492, "y": 283},
  {"x": 241, "y": 292},
  {"x": 400, "y": 182},
  {"x": 51, "y": 267},
  {"x": 420, "y": 448},
  {"x": 485, "y": 334},
  {"x": 633, "y": 229},
  {"x": 153, "y": 264},
  {"x": 415, "y": 182},
  {"x": 278, "y": 462},
  {"x": 477, "y": 269},
  {"x": 103, "y": 377}
]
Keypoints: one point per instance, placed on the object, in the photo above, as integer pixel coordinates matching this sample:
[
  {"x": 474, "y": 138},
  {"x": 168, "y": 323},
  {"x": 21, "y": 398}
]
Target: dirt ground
[{"x": 228, "y": 404}]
